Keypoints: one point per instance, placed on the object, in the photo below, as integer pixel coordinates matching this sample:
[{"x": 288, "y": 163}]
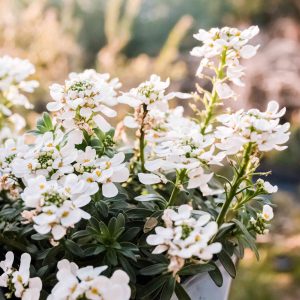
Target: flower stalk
[
  {"x": 176, "y": 189},
  {"x": 142, "y": 138},
  {"x": 214, "y": 97},
  {"x": 238, "y": 178}
]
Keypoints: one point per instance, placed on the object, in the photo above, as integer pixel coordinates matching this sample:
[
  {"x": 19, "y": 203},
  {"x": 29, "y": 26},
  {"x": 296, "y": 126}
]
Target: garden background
[{"x": 132, "y": 39}]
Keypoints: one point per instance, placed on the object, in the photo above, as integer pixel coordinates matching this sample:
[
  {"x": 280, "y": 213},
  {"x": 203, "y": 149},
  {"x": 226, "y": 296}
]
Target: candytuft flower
[
  {"x": 18, "y": 281},
  {"x": 185, "y": 237},
  {"x": 87, "y": 283},
  {"x": 84, "y": 99}
]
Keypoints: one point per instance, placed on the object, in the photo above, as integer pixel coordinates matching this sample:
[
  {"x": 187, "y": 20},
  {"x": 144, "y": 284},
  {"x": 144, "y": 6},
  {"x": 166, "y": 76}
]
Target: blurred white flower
[
  {"x": 18, "y": 281},
  {"x": 13, "y": 80},
  {"x": 87, "y": 283},
  {"x": 267, "y": 213}
]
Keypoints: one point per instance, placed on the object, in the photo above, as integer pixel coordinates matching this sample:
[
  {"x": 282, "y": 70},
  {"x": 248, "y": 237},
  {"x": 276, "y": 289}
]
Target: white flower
[
  {"x": 224, "y": 91},
  {"x": 13, "y": 80},
  {"x": 267, "y": 213},
  {"x": 268, "y": 187},
  {"x": 175, "y": 143},
  {"x": 23, "y": 286},
  {"x": 50, "y": 156},
  {"x": 84, "y": 99},
  {"x": 110, "y": 171},
  {"x": 184, "y": 236},
  {"x": 228, "y": 45},
  {"x": 87, "y": 283},
  {"x": 260, "y": 128},
  {"x": 57, "y": 203},
  {"x": 150, "y": 93}
]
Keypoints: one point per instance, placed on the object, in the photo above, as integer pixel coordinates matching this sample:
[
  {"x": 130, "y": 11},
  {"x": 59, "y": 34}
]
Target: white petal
[
  {"x": 129, "y": 100},
  {"x": 248, "y": 51},
  {"x": 117, "y": 159},
  {"x": 223, "y": 90},
  {"x": 107, "y": 111},
  {"x": 54, "y": 106},
  {"x": 160, "y": 249},
  {"x": 109, "y": 190},
  {"x": 120, "y": 175},
  {"x": 149, "y": 178},
  {"x": 58, "y": 232},
  {"x": 130, "y": 122},
  {"x": 102, "y": 123},
  {"x": 86, "y": 112}
]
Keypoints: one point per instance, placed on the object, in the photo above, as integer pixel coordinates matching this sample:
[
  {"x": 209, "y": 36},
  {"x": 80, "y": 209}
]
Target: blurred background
[{"x": 132, "y": 39}]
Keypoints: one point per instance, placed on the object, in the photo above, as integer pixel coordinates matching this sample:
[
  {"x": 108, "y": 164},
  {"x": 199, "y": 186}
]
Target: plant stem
[
  {"x": 214, "y": 97},
  {"x": 142, "y": 138},
  {"x": 176, "y": 189},
  {"x": 238, "y": 178}
]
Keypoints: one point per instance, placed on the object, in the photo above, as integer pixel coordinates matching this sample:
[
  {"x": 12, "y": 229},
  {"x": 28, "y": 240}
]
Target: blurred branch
[
  {"x": 118, "y": 29},
  {"x": 170, "y": 49}
]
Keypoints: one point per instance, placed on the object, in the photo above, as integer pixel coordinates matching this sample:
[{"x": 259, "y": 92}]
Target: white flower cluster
[
  {"x": 225, "y": 47},
  {"x": 106, "y": 171},
  {"x": 87, "y": 283},
  {"x": 57, "y": 205},
  {"x": 83, "y": 99},
  {"x": 185, "y": 237},
  {"x": 51, "y": 156},
  {"x": 177, "y": 144},
  {"x": 173, "y": 142},
  {"x": 13, "y": 83},
  {"x": 253, "y": 126},
  {"x": 150, "y": 94},
  {"x": 54, "y": 156},
  {"x": 18, "y": 282},
  {"x": 13, "y": 79},
  {"x": 262, "y": 223}
]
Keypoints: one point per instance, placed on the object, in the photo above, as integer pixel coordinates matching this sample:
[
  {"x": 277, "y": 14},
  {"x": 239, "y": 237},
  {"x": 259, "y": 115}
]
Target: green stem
[
  {"x": 214, "y": 97},
  {"x": 238, "y": 178},
  {"x": 142, "y": 139},
  {"x": 176, "y": 189}
]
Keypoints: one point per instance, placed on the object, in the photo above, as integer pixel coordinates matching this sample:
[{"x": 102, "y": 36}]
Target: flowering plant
[{"x": 101, "y": 217}]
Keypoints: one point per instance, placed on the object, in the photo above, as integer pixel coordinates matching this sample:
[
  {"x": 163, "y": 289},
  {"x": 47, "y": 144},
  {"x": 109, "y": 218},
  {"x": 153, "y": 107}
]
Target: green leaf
[
  {"x": 94, "y": 250},
  {"x": 151, "y": 197},
  {"x": 139, "y": 213},
  {"x": 42, "y": 271},
  {"x": 128, "y": 268},
  {"x": 181, "y": 293},
  {"x": 168, "y": 289},
  {"x": 130, "y": 234},
  {"x": 196, "y": 269},
  {"x": 154, "y": 269},
  {"x": 247, "y": 237},
  {"x": 40, "y": 237},
  {"x": 227, "y": 263},
  {"x": 216, "y": 275},
  {"x": 79, "y": 234},
  {"x": 111, "y": 256},
  {"x": 102, "y": 208},
  {"x": 74, "y": 248},
  {"x": 153, "y": 285}
]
